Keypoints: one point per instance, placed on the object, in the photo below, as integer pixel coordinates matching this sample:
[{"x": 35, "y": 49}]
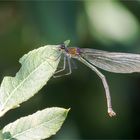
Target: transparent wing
[{"x": 112, "y": 61}]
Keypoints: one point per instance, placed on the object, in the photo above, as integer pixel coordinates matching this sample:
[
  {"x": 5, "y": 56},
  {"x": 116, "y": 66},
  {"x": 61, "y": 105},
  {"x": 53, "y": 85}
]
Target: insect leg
[
  {"x": 69, "y": 64},
  {"x": 106, "y": 87},
  {"x": 105, "y": 84},
  {"x": 66, "y": 58},
  {"x": 64, "y": 67}
]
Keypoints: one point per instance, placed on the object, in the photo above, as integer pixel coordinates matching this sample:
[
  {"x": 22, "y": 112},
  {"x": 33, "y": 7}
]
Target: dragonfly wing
[{"x": 112, "y": 61}]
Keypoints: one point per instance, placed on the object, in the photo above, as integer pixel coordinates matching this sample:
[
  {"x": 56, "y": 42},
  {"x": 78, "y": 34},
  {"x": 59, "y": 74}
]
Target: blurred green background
[{"x": 101, "y": 24}]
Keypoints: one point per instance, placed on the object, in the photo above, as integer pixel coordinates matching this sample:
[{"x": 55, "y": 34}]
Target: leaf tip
[{"x": 67, "y": 111}]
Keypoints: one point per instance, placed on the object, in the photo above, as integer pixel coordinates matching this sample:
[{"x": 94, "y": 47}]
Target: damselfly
[{"x": 110, "y": 61}]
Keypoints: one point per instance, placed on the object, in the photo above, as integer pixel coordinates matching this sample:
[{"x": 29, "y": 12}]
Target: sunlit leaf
[
  {"x": 37, "y": 126},
  {"x": 37, "y": 68}
]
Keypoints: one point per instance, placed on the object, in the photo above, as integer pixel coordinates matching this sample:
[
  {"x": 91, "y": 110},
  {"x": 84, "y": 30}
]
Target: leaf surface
[
  {"x": 37, "y": 126},
  {"x": 37, "y": 67}
]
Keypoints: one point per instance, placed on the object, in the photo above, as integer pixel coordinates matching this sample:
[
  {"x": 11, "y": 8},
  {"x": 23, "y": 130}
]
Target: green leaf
[
  {"x": 37, "y": 68},
  {"x": 37, "y": 126}
]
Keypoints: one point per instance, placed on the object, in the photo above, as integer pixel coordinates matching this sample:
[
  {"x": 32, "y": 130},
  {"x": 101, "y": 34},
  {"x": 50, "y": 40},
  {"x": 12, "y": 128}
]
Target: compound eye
[{"x": 62, "y": 46}]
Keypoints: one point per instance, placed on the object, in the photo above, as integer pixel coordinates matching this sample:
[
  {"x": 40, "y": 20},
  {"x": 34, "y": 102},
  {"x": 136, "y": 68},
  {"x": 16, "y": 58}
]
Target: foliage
[
  {"x": 37, "y": 67},
  {"x": 39, "y": 125}
]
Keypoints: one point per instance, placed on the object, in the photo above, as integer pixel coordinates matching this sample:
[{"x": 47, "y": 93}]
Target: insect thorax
[{"x": 73, "y": 52}]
